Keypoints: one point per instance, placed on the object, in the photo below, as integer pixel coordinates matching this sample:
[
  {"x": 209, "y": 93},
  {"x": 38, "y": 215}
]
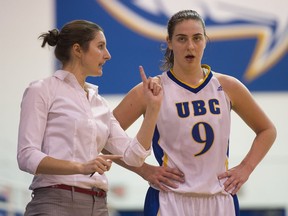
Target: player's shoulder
[
  {"x": 227, "y": 82},
  {"x": 233, "y": 87}
]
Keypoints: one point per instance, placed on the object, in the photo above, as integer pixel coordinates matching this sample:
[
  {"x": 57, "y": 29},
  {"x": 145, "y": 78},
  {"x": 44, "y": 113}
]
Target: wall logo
[{"x": 266, "y": 22}]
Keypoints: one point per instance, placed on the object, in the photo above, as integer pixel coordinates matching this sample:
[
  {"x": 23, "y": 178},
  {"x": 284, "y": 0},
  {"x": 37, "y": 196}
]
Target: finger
[
  {"x": 109, "y": 165},
  {"x": 154, "y": 87},
  {"x": 170, "y": 183},
  {"x": 160, "y": 186},
  {"x": 164, "y": 188},
  {"x": 234, "y": 191},
  {"x": 151, "y": 83},
  {"x": 232, "y": 188},
  {"x": 176, "y": 178},
  {"x": 230, "y": 184},
  {"x": 106, "y": 164},
  {"x": 223, "y": 175},
  {"x": 158, "y": 89},
  {"x": 174, "y": 173},
  {"x": 102, "y": 164},
  {"x": 142, "y": 74},
  {"x": 99, "y": 169},
  {"x": 111, "y": 157}
]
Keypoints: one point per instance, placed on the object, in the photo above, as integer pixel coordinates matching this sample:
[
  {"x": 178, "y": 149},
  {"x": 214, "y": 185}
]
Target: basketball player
[{"x": 193, "y": 129}]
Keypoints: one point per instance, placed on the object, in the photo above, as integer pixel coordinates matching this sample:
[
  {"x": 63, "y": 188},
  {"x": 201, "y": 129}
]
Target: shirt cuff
[{"x": 136, "y": 154}]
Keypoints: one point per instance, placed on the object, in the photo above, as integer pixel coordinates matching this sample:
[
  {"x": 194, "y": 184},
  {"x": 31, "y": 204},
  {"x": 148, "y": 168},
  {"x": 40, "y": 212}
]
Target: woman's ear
[
  {"x": 169, "y": 45},
  {"x": 76, "y": 50}
]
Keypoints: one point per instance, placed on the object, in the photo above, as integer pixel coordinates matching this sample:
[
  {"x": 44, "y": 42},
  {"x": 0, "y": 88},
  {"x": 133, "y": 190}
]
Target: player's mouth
[{"x": 189, "y": 57}]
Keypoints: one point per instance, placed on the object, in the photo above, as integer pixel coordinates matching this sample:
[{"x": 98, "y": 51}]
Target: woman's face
[
  {"x": 188, "y": 44},
  {"x": 96, "y": 55}
]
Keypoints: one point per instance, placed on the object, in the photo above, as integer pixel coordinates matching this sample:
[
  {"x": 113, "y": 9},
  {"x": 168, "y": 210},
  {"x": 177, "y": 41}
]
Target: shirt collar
[{"x": 67, "y": 76}]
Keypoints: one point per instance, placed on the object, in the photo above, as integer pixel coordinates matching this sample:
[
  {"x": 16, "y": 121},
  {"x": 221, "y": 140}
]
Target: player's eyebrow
[{"x": 180, "y": 34}]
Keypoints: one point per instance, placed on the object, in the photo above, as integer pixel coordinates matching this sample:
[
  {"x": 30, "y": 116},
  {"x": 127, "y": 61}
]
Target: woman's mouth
[{"x": 189, "y": 57}]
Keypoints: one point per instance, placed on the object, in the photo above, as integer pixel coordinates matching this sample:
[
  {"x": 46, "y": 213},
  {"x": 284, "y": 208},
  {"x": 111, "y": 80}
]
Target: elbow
[
  {"x": 273, "y": 132},
  {"x": 269, "y": 134},
  {"x": 135, "y": 154},
  {"x": 134, "y": 160},
  {"x": 22, "y": 165},
  {"x": 28, "y": 161}
]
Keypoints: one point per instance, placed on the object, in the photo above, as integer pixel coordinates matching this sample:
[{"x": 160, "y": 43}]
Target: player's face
[
  {"x": 188, "y": 44},
  {"x": 96, "y": 56}
]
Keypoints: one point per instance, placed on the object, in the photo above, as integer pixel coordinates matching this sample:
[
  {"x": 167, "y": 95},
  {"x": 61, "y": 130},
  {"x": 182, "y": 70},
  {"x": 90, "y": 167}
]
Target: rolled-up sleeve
[
  {"x": 32, "y": 125},
  {"x": 134, "y": 154}
]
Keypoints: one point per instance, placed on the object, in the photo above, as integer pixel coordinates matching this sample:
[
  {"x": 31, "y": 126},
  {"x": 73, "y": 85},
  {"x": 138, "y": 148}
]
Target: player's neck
[{"x": 190, "y": 76}]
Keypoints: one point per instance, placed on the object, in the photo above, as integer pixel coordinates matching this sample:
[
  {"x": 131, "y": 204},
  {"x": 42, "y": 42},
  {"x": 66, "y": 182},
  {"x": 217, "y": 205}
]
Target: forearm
[
  {"x": 261, "y": 145},
  {"x": 137, "y": 170},
  {"x": 146, "y": 131},
  {"x": 54, "y": 166}
]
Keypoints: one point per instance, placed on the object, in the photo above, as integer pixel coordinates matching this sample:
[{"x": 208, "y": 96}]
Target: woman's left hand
[{"x": 235, "y": 178}]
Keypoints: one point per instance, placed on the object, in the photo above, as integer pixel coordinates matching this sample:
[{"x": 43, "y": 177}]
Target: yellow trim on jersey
[
  {"x": 165, "y": 160},
  {"x": 206, "y": 69}
]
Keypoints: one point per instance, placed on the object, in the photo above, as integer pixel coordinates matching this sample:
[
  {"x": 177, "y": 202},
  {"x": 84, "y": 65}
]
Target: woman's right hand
[{"x": 100, "y": 164}]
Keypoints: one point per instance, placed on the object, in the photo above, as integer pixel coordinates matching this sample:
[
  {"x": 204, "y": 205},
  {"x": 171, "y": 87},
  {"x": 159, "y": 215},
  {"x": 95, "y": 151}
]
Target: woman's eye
[
  {"x": 181, "y": 39},
  {"x": 197, "y": 38}
]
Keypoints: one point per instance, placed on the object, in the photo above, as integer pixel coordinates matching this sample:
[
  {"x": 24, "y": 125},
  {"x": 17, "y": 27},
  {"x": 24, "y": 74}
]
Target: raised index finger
[{"x": 142, "y": 74}]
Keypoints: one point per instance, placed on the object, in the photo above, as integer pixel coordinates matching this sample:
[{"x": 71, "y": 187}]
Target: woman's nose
[
  {"x": 107, "y": 55},
  {"x": 190, "y": 44}
]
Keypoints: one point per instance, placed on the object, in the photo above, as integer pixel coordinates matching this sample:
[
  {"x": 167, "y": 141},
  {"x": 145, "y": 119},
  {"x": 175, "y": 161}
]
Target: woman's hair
[
  {"x": 168, "y": 60},
  {"x": 77, "y": 31}
]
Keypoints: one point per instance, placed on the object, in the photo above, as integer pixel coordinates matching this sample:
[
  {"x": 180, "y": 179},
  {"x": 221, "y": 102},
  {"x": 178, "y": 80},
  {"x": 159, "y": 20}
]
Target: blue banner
[{"x": 248, "y": 39}]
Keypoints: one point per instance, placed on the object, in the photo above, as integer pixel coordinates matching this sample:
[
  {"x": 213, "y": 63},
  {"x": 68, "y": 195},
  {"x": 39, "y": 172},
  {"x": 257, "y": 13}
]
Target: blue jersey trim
[
  {"x": 236, "y": 205},
  {"x": 151, "y": 205},
  {"x": 189, "y": 88},
  {"x": 157, "y": 150}
]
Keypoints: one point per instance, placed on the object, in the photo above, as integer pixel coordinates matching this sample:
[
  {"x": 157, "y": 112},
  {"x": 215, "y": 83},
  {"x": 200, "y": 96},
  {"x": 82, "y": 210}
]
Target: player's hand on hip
[
  {"x": 163, "y": 177},
  {"x": 234, "y": 178}
]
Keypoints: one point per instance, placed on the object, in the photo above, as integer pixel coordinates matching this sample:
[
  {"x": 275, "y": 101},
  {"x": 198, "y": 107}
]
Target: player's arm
[
  {"x": 252, "y": 114},
  {"x": 131, "y": 107},
  {"x": 127, "y": 112}
]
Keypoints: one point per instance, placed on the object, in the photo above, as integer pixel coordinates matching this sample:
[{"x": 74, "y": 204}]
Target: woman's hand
[
  {"x": 100, "y": 164},
  {"x": 162, "y": 177},
  {"x": 234, "y": 178},
  {"x": 152, "y": 90}
]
